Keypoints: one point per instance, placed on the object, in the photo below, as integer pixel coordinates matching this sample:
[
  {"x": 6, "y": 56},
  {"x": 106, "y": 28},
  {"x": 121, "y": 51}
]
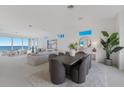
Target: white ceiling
[{"x": 44, "y": 19}]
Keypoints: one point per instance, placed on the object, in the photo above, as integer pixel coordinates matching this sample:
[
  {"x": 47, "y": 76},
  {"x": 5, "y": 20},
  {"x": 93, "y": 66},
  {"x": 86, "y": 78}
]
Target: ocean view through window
[{"x": 10, "y": 44}]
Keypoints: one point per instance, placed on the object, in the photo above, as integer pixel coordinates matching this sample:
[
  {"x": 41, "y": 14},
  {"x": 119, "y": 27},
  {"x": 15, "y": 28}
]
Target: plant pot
[
  {"x": 72, "y": 52},
  {"x": 108, "y": 62}
]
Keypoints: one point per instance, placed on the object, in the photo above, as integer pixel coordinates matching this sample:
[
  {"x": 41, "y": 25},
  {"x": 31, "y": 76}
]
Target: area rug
[{"x": 95, "y": 78}]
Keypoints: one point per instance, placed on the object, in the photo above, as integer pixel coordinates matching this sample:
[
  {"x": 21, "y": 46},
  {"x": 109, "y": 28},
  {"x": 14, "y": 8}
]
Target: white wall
[
  {"x": 120, "y": 29},
  {"x": 71, "y": 33}
]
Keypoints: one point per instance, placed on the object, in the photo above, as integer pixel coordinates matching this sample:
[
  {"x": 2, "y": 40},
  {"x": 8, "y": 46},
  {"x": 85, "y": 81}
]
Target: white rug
[{"x": 95, "y": 78}]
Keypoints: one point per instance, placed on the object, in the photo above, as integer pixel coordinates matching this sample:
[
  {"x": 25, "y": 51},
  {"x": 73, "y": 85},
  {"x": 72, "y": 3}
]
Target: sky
[{"x": 5, "y": 41}]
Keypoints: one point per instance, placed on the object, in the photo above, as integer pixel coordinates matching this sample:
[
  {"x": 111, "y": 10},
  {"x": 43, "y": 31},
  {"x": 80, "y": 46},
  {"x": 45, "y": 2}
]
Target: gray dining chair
[
  {"x": 51, "y": 56},
  {"x": 81, "y": 52},
  {"x": 67, "y": 53},
  {"x": 60, "y": 54},
  {"x": 57, "y": 72},
  {"x": 88, "y": 60},
  {"x": 79, "y": 71}
]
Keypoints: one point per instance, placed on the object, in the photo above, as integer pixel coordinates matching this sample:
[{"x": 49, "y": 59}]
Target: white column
[
  {"x": 121, "y": 34},
  {"x": 37, "y": 43},
  {"x": 29, "y": 42},
  {"x": 34, "y": 43}
]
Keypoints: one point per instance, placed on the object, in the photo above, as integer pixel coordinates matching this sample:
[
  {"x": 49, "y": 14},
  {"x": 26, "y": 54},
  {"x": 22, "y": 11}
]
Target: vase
[
  {"x": 108, "y": 61},
  {"x": 72, "y": 52}
]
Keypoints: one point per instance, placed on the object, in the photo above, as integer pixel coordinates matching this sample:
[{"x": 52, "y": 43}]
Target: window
[
  {"x": 5, "y": 44},
  {"x": 8, "y": 44},
  {"x": 25, "y": 43},
  {"x": 17, "y": 43}
]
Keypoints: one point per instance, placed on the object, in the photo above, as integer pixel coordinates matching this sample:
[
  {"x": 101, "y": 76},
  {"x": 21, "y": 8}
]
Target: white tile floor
[{"x": 15, "y": 70}]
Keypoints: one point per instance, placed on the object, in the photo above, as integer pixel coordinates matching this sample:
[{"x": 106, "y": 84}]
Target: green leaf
[
  {"x": 105, "y": 33},
  {"x": 103, "y": 43},
  {"x": 113, "y": 36},
  {"x": 114, "y": 42},
  {"x": 73, "y": 46},
  {"x": 116, "y": 49}
]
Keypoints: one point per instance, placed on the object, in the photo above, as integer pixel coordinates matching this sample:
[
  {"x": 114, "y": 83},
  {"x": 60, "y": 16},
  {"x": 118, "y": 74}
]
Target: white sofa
[{"x": 37, "y": 59}]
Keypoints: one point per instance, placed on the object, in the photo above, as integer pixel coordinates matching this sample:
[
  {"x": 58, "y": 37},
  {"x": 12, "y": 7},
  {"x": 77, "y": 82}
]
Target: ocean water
[{"x": 8, "y": 48}]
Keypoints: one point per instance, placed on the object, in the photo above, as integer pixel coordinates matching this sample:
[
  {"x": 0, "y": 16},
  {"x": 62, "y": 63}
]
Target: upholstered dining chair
[
  {"x": 79, "y": 71},
  {"x": 81, "y": 52},
  {"x": 60, "y": 53},
  {"x": 88, "y": 59},
  {"x": 50, "y": 57},
  {"x": 57, "y": 72},
  {"x": 67, "y": 53}
]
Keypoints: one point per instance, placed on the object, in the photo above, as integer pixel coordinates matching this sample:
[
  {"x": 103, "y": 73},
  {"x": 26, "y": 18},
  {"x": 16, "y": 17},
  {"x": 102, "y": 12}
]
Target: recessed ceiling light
[
  {"x": 29, "y": 25},
  {"x": 70, "y": 6}
]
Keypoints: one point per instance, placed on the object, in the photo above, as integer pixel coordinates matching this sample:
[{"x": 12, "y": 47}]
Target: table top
[{"x": 69, "y": 60}]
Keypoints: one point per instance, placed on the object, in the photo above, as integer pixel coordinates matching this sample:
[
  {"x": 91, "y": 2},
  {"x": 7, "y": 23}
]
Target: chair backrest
[
  {"x": 52, "y": 56},
  {"x": 57, "y": 71},
  {"x": 84, "y": 64},
  {"x": 67, "y": 53},
  {"x": 60, "y": 53},
  {"x": 89, "y": 60},
  {"x": 81, "y": 52},
  {"x": 79, "y": 71}
]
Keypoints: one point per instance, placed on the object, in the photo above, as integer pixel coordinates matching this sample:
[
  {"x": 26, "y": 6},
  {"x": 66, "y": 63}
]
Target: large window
[
  {"x": 5, "y": 44},
  {"x": 8, "y": 44},
  {"x": 25, "y": 43},
  {"x": 17, "y": 43}
]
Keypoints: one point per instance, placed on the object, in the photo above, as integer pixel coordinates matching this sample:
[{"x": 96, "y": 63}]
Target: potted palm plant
[
  {"x": 73, "y": 48},
  {"x": 110, "y": 44}
]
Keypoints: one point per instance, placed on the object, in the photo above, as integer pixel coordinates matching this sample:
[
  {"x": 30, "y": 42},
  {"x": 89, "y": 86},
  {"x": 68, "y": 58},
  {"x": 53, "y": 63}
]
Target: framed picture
[
  {"x": 84, "y": 42},
  {"x": 52, "y": 44}
]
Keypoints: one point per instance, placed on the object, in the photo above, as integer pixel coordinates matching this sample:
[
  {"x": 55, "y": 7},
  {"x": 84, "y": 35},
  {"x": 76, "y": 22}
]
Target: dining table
[{"x": 69, "y": 60}]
